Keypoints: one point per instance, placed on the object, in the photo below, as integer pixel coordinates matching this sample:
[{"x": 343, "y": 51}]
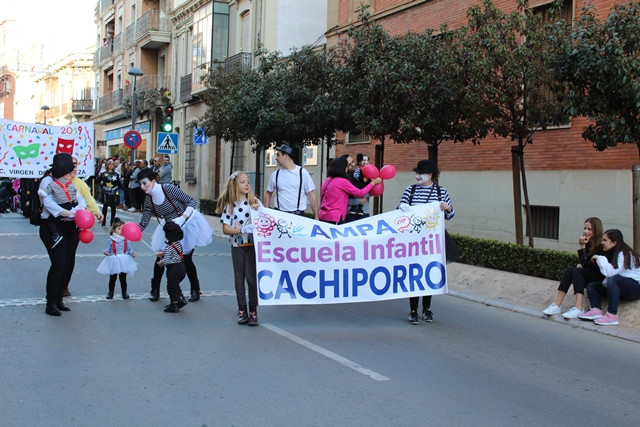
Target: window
[
  {"x": 245, "y": 34},
  {"x": 355, "y": 137},
  {"x": 545, "y": 220},
  {"x": 200, "y": 45}
]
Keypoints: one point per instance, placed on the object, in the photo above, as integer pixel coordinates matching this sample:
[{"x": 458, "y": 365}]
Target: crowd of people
[{"x": 607, "y": 266}]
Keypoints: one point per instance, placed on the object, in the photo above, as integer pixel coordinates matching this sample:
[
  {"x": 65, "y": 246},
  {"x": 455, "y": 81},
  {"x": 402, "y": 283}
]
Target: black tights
[
  {"x": 190, "y": 267},
  {"x": 426, "y": 303},
  {"x": 123, "y": 282}
]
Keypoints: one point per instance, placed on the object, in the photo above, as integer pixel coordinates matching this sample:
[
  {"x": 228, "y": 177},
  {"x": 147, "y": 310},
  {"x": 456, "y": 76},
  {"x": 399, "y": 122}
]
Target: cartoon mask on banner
[{"x": 65, "y": 146}]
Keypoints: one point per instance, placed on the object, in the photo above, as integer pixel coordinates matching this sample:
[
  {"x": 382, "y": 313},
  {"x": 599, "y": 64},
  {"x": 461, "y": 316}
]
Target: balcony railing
[
  {"x": 242, "y": 60},
  {"x": 149, "y": 81},
  {"x": 109, "y": 102},
  {"x": 81, "y": 105},
  {"x": 117, "y": 43},
  {"x": 131, "y": 34},
  {"x": 152, "y": 20}
]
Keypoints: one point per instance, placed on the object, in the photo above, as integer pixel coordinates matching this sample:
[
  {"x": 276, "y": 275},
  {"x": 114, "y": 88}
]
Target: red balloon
[
  {"x": 377, "y": 190},
  {"x": 370, "y": 171},
  {"x": 84, "y": 219},
  {"x": 387, "y": 172},
  {"x": 85, "y": 236},
  {"x": 131, "y": 231}
]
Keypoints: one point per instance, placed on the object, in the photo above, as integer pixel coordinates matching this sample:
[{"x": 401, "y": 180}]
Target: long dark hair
[
  {"x": 338, "y": 168},
  {"x": 631, "y": 258},
  {"x": 147, "y": 173},
  {"x": 594, "y": 246}
]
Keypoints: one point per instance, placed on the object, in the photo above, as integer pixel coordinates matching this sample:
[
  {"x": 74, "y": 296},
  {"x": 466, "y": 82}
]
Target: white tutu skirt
[
  {"x": 116, "y": 264},
  {"x": 197, "y": 233}
]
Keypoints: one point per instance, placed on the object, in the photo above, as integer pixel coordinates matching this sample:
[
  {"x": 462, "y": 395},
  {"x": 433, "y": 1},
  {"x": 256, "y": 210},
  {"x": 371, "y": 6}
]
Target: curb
[{"x": 623, "y": 332}]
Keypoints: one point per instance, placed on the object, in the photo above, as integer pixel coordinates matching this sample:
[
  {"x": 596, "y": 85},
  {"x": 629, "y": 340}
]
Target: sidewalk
[{"x": 516, "y": 292}]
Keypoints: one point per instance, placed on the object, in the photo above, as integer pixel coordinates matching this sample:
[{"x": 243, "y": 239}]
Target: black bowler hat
[
  {"x": 285, "y": 149},
  {"x": 62, "y": 165},
  {"x": 425, "y": 166}
]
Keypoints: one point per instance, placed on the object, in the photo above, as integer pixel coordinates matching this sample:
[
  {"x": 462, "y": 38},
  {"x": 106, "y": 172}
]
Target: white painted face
[
  {"x": 147, "y": 184},
  {"x": 423, "y": 178}
]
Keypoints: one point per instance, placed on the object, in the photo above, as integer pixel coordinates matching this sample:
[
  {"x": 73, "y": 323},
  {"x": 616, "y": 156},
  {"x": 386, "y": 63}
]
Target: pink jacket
[{"x": 334, "y": 196}]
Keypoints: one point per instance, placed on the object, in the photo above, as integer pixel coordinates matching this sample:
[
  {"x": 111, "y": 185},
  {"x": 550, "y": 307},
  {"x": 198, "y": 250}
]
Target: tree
[
  {"x": 514, "y": 80},
  {"x": 600, "y": 62}
]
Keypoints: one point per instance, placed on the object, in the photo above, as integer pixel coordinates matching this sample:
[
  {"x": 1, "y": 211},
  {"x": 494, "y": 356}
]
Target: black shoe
[
  {"x": 125, "y": 296},
  {"x": 110, "y": 295},
  {"x": 60, "y": 306},
  {"x": 154, "y": 295},
  {"x": 55, "y": 240},
  {"x": 427, "y": 315},
  {"x": 195, "y": 296},
  {"x": 253, "y": 317},
  {"x": 243, "y": 317},
  {"x": 52, "y": 310},
  {"x": 171, "y": 308},
  {"x": 181, "y": 301},
  {"x": 413, "y": 318}
]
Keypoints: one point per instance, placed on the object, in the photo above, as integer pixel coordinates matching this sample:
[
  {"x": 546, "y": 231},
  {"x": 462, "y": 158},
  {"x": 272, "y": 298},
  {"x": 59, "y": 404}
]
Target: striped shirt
[
  {"x": 179, "y": 198},
  {"x": 172, "y": 254},
  {"x": 426, "y": 194},
  {"x": 60, "y": 196}
]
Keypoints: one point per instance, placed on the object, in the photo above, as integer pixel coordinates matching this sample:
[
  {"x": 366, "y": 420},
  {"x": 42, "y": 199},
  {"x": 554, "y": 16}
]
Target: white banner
[
  {"x": 392, "y": 255},
  {"x": 27, "y": 149}
]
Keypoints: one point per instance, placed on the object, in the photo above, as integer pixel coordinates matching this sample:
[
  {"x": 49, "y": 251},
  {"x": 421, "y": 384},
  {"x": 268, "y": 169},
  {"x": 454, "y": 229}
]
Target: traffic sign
[
  {"x": 199, "y": 136},
  {"x": 167, "y": 143},
  {"x": 132, "y": 139}
]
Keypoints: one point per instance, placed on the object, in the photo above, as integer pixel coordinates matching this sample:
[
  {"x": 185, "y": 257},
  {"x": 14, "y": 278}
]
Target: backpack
[{"x": 35, "y": 204}]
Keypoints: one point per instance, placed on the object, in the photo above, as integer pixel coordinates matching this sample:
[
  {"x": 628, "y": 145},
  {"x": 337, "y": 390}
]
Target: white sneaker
[
  {"x": 552, "y": 309},
  {"x": 573, "y": 313},
  {"x": 131, "y": 209}
]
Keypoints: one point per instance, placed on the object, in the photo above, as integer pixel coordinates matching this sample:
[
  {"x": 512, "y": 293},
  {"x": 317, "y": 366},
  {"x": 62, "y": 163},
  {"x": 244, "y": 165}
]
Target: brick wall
[{"x": 556, "y": 149}]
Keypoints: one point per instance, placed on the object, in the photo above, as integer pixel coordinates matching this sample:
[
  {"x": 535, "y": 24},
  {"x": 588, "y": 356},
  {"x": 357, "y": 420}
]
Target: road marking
[
  {"x": 323, "y": 351},
  {"x": 18, "y": 302}
]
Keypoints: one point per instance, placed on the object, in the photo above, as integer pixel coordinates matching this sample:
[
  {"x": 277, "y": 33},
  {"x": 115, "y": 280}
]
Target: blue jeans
[{"x": 617, "y": 287}]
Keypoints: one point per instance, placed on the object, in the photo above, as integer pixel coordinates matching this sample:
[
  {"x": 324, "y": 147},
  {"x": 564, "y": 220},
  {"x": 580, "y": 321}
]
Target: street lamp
[
  {"x": 135, "y": 72},
  {"x": 45, "y": 108}
]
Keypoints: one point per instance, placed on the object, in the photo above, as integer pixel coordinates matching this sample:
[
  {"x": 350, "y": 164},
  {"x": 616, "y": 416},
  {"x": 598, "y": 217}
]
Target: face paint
[
  {"x": 146, "y": 184},
  {"x": 423, "y": 178}
]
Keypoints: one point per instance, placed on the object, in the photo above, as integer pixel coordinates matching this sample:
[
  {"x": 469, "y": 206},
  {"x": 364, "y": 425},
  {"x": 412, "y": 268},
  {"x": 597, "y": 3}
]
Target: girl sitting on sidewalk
[{"x": 621, "y": 267}]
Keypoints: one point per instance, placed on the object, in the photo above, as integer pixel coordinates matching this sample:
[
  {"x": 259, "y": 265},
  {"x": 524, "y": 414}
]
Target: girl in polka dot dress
[{"x": 235, "y": 204}]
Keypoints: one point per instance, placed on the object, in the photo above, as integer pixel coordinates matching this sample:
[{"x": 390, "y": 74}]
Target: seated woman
[
  {"x": 620, "y": 266},
  {"x": 335, "y": 191},
  {"x": 585, "y": 272}
]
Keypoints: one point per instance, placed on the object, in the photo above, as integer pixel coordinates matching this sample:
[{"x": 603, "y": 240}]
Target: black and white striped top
[
  {"x": 172, "y": 254},
  {"x": 426, "y": 194},
  {"x": 165, "y": 210}
]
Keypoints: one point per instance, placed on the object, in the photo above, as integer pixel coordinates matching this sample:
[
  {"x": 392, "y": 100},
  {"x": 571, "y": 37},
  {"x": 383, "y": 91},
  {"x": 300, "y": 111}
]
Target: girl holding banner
[
  {"x": 425, "y": 191},
  {"x": 234, "y": 204}
]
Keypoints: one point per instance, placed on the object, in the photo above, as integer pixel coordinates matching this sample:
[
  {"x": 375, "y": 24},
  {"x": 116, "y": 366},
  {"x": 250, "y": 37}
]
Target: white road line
[{"x": 323, "y": 351}]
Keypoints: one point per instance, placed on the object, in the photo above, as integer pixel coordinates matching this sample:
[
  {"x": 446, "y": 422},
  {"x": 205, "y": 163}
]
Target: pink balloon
[
  {"x": 377, "y": 190},
  {"x": 85, "y": 236},
  {"x": 387, "y": 172},
  {"x": 370, "y": 171},
  {"x": 84, "y": 219},
  {"x": 131, "y": 231}
]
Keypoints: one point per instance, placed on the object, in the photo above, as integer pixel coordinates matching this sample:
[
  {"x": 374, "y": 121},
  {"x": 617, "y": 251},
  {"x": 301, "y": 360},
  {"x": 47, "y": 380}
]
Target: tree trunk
[
  {"x": 517, "y": 194},
  {"x": 525, "y": 190},
  {"x": 233, "y": 153}
]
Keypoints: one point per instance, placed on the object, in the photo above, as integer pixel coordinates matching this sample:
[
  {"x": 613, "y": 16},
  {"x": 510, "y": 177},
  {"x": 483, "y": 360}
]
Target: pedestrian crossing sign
[{"x": 167, "y": 143}]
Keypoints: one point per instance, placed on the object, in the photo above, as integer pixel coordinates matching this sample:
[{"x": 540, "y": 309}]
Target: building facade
[{"x": 568, "y": 180}]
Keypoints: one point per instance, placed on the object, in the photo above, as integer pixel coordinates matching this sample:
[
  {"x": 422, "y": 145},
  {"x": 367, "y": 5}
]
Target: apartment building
[
  {"x": 568, "y": 180},
  {"x": 131, "y": 34}
]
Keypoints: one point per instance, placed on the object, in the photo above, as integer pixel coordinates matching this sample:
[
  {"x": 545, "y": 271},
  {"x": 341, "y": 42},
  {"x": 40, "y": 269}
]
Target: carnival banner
[
  {"x": 396, "y": 254},
  {"x": 27, "y": 149}
]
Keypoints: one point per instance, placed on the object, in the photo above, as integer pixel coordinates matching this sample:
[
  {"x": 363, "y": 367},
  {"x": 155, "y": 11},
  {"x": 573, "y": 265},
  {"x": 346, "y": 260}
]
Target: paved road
[{"x": 129, "y": 363}]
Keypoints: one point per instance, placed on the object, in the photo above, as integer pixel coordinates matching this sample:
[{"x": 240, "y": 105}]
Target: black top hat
[
  {"x": 62, "y": 165},
  {"x": 425, "y": 166},
  {"x": 285, "y": 149}
]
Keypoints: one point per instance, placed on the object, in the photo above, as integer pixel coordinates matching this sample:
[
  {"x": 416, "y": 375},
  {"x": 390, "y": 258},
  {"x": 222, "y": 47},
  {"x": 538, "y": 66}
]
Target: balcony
[
  {"x": 152, "y": 29},
  {"x": 185, "y": 88},
  {"x": 103, "y": 6},
  {"x": 149, "y": 81},
  {"x": 130, "y": 33},
  {"x": 109, "y": 102},
  {"x": 242, "y": 60},
  {"x": 117, "y": 44},
  {"x": 106, "y": 53},
  {"x": 81, "y": 105}
]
